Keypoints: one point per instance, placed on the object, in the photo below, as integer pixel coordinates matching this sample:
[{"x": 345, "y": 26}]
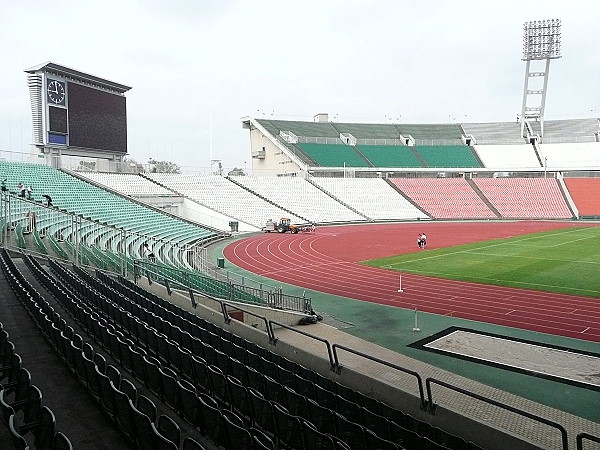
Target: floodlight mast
[{"x": 541, "y": 42}]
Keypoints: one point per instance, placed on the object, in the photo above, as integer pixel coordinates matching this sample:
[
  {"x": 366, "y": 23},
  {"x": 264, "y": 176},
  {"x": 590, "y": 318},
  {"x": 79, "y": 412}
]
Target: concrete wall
[
  {"x": 196, "y": 212},
  {"x": 275, "y": 162}
]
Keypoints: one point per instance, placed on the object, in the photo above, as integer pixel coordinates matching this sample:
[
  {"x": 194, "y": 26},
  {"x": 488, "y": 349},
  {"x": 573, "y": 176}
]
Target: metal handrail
[
  {"x": 432, "y": 407},
  {"x": 316, "y": 338},
  {"x": 589, "y": 437},
  {"x": 224, "y": 305},
  {"x": 338, "y": 368}
]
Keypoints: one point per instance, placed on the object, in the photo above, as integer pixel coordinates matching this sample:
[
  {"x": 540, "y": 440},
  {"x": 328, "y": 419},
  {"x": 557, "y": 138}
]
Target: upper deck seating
[
  {"x": 494, "y": 133},
  {"x": 331, "y": 155},
  {"x": 505, "y": 156},
  {"x": 389, "y": 155},
  {"x": 447, "y": 156}
]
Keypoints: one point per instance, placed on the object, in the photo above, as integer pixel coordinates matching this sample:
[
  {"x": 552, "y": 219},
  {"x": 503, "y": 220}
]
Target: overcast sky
[{"x": 197, "y": 62}]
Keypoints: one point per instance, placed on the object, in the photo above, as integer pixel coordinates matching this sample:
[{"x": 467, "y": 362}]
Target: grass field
[{"x": 565, "y": 261}]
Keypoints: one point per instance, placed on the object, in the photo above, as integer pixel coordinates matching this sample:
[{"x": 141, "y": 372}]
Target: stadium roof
[{"x": 76, "y": 75}]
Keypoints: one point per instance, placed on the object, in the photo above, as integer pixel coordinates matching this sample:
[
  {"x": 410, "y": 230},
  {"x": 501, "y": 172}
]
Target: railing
[
  {"x": 303, "y": 333},
  {"x": 432, "y": 407},
  {"x": 589, "y": 437},
  {"x": 221, "y": 290},
  {"x": 338, "y": 368}
]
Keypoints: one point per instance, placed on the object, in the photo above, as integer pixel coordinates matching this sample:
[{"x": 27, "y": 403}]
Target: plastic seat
[
  {"x": 236, "y": 436},
  {"x": 161, "y": 442},
  {"x": 262, "y": 411},
  {"x": 146, "y": 406},
  {"x": 201, "y": 380},
  {"x": 351, "y": 410},
  {"x": 210, "y": 419},
  {"x": 315, "y": 439},
  {"x": 18, "y": 442},
  {"x": 218, "y": 384},
  {"x": 319, "y": 416},
  {"x": 61, "y": 442},
  {"x": 114, "y": 375},
  {"x": 44, "y": 432},
  {"x": 152, "y": 371},
  {"x": 123, "y": 413},
  {"x": 376, "y": 423},
  {"x": 191, "y": 444},
  {"x": 188, "y": 401},
  {"x": 295, "y": 403},
  {"x": 129, "y": 389},
  {"x": 288, "y": 427},
  {"x": 374, "y": 442},
  {"x": 144, "y": 434},
  {"x": 238, "y": 395},
  {"x": 106, "y": 394},
  {"x": 348, "y": 431},
  {"x": 168, "y": 387},
  {"x": 168, "y": 428}
]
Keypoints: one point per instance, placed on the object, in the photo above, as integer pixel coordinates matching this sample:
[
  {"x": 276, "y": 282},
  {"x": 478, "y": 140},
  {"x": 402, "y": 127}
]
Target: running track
[{"x": 328, "y": 261}]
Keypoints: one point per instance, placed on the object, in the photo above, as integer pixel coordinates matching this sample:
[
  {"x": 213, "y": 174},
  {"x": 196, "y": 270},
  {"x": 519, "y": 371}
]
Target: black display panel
[
  {"x": 57, "y": 119},
  {"x": 97, "y": 119}
]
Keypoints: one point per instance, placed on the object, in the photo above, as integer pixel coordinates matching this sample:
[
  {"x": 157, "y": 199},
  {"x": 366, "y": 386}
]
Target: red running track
[{"x": 328, "y": 261}]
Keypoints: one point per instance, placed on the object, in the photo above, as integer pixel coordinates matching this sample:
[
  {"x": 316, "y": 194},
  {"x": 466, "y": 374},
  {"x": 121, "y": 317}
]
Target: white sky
[{"x": 359, "y": 61}]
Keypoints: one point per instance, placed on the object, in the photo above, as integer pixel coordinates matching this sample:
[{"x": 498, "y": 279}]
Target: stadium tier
[
  {"x": 96, "y": 215},
  {"x": 564, "y": 144},
  {"x": 585, "y": 192},
  {"x": 531, "y": 198},
  {"x": 503, "y": 156},
  {"x": 225, "y": 196},
  {"x": 452, "y": 198},
  {"x": 360, "y": 192}
]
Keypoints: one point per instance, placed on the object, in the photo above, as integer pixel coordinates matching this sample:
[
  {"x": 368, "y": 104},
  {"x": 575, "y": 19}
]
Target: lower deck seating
[
  {"x": 445, "y": 198},
  {"x": 532, "y": 198},
  {"x": 585, "y": 192}
]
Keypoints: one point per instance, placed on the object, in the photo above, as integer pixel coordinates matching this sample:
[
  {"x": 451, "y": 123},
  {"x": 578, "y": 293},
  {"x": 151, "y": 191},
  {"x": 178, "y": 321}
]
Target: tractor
[{"x": 283, "y": 226}]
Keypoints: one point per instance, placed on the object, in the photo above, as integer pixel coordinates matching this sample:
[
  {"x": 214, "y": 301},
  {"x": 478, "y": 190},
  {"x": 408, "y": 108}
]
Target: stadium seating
[
  {"x": 583, "y": 155},
  {"x": 504, "y": 156},
  {"x": 585, "y": 192},
  {"x": 333, "y": 155},
  {"x": 445, "y": 198},
  {"x": 532, "y": 198},
  {"x": 301, "y": 197},
  {"x": 389, "y": 155},
  {"x": 360, "y": 192},
  {"x": 223, "y": 195},
  {"x": 129, "y": 184},
  {"x": 447, "y": 156}
]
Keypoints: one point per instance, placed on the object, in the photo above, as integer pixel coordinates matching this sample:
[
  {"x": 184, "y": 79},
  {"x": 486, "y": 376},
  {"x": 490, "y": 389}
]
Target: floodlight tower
[{"x": 541, "y": 41}]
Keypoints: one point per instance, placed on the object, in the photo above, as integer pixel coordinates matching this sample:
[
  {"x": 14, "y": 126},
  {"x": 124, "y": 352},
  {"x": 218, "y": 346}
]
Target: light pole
[{"x": 541, "y": 41}]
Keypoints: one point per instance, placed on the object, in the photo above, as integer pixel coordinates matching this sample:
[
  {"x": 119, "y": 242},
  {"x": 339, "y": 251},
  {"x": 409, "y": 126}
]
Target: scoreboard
[{"x": 75, "y": 113}]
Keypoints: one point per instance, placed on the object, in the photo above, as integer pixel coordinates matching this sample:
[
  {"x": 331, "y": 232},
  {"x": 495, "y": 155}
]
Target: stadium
[{"x": 291, "y": 308}]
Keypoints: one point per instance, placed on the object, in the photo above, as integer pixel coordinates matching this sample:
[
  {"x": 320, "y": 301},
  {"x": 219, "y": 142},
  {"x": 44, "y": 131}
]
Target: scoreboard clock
[{"x": 56, "y": 92}]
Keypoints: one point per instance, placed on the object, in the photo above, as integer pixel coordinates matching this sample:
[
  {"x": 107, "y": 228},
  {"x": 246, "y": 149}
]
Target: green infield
[{"x": 565, "y": 261}]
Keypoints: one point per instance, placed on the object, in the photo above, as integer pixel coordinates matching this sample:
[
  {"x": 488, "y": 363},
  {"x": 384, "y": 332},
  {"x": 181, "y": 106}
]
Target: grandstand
[{"x": 187, "y": 347}]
